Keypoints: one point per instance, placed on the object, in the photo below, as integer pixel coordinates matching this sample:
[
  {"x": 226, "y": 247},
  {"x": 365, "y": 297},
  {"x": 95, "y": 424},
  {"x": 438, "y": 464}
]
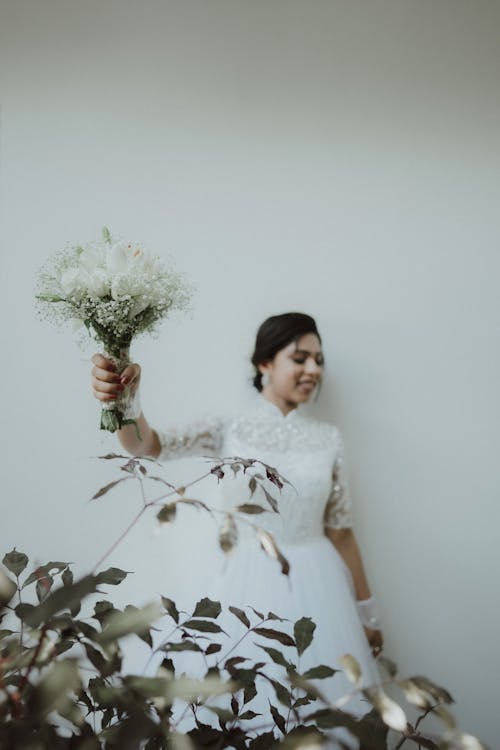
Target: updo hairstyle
[{"x": 277, "y": 332}]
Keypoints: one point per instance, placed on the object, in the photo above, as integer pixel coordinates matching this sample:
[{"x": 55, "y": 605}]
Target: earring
[{"x": 265, "y": 378}]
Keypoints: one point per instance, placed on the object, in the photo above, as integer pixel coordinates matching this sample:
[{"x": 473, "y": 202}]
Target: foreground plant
[
  {"x": 61, "y": 681},
  {"x": 61, "y": 684}
]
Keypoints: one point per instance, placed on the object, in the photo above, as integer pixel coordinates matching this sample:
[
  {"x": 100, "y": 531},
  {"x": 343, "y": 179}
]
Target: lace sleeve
[
  {"x": 196, "y": 439},
  {"x": 338, "y": 505}
]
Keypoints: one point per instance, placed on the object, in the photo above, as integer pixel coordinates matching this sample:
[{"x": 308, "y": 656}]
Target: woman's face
[{"x": 294, "y": 372}]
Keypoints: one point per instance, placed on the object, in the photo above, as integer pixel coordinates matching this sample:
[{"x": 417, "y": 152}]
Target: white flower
[
  {"x": 98, "y": 284},
  {"x": 122, "y": 286},
  {"x": 118, "y": 258},
  {"x": 91, "y": 259},
  {"x": 74, "y": 281}
]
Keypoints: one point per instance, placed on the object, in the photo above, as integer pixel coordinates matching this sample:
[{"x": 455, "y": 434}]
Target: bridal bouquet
[{"x": 117, "y": 290}]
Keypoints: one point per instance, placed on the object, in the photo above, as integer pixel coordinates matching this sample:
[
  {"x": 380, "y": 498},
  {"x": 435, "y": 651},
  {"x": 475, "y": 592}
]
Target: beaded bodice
[{"x": 305, "y": 451}]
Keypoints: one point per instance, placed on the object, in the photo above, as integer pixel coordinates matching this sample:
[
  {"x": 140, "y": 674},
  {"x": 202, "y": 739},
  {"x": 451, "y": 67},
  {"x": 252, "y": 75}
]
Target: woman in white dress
[{"x": 313, "y": 528}]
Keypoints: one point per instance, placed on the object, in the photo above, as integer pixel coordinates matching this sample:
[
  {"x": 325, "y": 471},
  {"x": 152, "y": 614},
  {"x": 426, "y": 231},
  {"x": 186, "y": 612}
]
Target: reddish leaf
[
  {"x": 276, "y": 635},
  {"x": 278, "y": 718}
]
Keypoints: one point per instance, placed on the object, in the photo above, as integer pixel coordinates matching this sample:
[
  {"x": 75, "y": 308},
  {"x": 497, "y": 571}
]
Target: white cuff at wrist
[{"x": 368, "y": 613}]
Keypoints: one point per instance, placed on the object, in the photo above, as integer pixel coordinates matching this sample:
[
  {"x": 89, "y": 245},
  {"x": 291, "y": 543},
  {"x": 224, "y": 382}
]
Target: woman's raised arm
[{"x": 107, "y": 384}]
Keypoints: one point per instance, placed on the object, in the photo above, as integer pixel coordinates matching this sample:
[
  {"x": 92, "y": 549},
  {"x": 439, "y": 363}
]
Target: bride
[{"x": 313, "y": 529}]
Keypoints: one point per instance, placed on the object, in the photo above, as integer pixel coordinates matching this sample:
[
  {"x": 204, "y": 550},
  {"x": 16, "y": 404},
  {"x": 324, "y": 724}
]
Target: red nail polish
[{"x": 124, "y": 381}]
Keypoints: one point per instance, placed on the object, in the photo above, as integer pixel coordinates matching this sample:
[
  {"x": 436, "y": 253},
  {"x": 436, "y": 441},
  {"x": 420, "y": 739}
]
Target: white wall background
[{"x": 337, "y": 157}]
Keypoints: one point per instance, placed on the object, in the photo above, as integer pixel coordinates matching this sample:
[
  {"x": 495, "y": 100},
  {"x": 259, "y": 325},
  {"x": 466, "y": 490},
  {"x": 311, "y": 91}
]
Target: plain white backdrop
[{"x": 339, "y": 158}]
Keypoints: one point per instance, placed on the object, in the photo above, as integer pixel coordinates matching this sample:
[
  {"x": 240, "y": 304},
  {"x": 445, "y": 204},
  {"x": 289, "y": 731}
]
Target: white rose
[
  {"x": 122, "y": 286},
  {"x": 91, "y": 259},
  {"x": 98, "y": 284},
  {"x": 118, "y": 258},
  {"x": 74, "y": 281}
]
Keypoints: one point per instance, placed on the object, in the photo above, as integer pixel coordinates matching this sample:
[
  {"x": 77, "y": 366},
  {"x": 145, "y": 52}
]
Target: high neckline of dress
[{"x": 270, "y": 408}]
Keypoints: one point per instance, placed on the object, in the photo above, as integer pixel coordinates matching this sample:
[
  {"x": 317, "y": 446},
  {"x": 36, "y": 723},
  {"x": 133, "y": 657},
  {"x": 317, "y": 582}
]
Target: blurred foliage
[
  {"x": 61, "y": 681},
  {"x": 62, "y": 684}
]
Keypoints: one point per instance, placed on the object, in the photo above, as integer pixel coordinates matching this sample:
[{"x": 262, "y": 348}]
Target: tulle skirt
[{"x": 319, "y": 586}]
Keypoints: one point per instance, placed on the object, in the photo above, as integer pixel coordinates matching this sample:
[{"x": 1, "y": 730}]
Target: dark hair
[{"x": 277, "y": 332}]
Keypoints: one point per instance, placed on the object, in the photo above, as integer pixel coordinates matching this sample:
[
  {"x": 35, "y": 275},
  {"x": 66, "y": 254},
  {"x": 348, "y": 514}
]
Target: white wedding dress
[{"x": 309, "y": 454}]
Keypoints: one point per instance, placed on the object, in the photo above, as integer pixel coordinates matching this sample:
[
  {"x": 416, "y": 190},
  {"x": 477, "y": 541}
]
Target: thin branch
[{"x": 120, "y": 539}]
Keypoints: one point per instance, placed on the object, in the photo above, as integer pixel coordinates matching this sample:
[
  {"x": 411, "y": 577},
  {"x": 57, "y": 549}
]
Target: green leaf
[
  {"x": 312, "y": 692},
  {"x": 249, "y": 715},
  {"x": 301, "y": 702},
  {"x": 95, "y": 657},
  {"x": 43, "y": 586},
  {"x": 303, "y": 631},
  {"x": 108, "y": 487},
  {"x": 112, "y": 576},
  {"x": 44, "y": 570},
  {"x": 328, "y": 718},
  {"x": 15, "y": 561},
  {"x": 234, "y": 705},
  {"x": 53, "y": 692},
  {"x": 213, "y": 648},
  {"x": 277, "y": 635},
  {"x": 263, "y": 741},
  {"x": 223, "y": 713},
  {"x": 278, "y": 718},
  {"x": 67, "y": 577},
  {"x": 65, "y": 597},
  {"x": 249, "y": 693},
  {"x": 250, "y": 508},
  {"x": 390, "y": 711},
  {"x": 145, "y": 634},
  {"x": 107, "y": 717},
  {"x": 119, "y": 624},
  {"x": 169, "y": 665},
  {"x": 268, "y": 544},
  {"x": 271, "y": 500},
  {"x": 167, "y": 513},
  {"x": 182, "y": 646},
  {"x": 148, "y": 687},
  {"x": 272, "y": 616},
  {"x": 24, "y": 610},
  {"x": 204, "y": 626},
  {"x": 228, "y": 534},
  {"x": 7, "y": 589},
  {"x": 207, "y": 608},
  {"x": 171, "y": 608},
  {"x": 106, "y": 235},
  {"x": 103, "y": 609},
  {"x": 233, "y": 660},
  {"x": 275, "y": 655},
  {"x": 241, "y": 615},
  {"x": 259, "y": 614},
  {"x": 50, "y": 298},
  {"x": 282, "y": 693},
  {"x": 302, "y": 736},
  {"x": 319, "y": 673},
  {"x": 87, "y": 630}
]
